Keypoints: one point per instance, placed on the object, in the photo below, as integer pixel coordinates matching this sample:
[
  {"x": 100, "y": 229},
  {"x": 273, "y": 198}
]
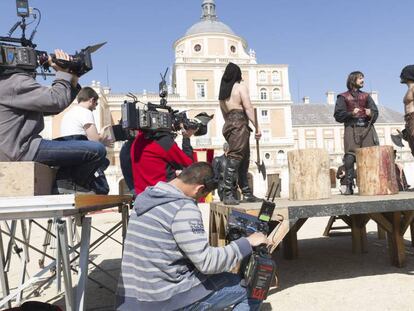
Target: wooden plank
[
  {"x": 278, "y": 234},
  {"x": 91, "y": 200}
]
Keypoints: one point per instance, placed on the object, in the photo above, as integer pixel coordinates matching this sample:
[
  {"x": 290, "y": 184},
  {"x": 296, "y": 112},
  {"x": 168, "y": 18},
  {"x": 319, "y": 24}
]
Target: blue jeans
[
  {"x": 77, "y": 159},
  {"x": 229, "y": 293}
]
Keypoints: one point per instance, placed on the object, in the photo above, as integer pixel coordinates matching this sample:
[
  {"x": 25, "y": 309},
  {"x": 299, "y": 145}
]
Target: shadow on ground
[
  {"x": 99, "y": 297},
  {"x": 331, "y": 258}
]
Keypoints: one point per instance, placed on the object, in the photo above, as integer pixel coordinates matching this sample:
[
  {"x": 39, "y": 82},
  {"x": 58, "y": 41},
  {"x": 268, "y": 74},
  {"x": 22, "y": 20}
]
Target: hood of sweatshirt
[{"x": 161, "y": 193}]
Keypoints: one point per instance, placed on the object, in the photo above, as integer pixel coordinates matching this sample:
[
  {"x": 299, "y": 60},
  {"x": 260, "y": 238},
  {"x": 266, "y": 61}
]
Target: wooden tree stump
[
  {"x": 376, "y": 170},
  {"x": 309, "y": 174}
]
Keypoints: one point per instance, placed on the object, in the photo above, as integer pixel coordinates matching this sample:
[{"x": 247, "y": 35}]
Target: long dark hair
[{"x": 351, "y": 81}]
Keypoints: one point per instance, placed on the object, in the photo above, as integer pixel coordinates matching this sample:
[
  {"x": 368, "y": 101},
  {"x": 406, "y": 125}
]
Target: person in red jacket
[{"x": 156, "y": 156}]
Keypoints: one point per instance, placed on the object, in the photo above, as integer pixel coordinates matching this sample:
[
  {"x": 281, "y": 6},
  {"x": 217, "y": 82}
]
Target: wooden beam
[
  {"x": 359, "y": 234},
  {"x": 382, "y": 221},
  {"x": 406, "y": 221},
  {"x": 329, "y": 225},
  {"x": 396, "y": 241},
  {"x": 380, "y": 232},
  {"x": 412, "y": 233}
]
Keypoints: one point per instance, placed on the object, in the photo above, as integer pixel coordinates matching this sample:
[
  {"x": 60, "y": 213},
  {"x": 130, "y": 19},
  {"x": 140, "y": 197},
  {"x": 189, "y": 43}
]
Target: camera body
[
  {"x": 259, "y": 269},
  {"x": 153, "y": 118},
  {"x": 18, "y": 54}
]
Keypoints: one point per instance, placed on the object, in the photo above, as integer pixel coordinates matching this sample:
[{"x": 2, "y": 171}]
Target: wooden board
[
  {"x": 90, "y": 200},
  {"x": 25, "y": 179}
]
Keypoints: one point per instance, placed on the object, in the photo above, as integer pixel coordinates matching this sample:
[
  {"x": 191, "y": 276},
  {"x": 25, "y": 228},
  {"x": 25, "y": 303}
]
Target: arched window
[
  {"x": 275, "y": 76},
  {"x": 276, "y": 93},
  {"x": 262, "y": 76},
  {"x": 280, "y": 157},
  {"x": 263, "y": 94}
]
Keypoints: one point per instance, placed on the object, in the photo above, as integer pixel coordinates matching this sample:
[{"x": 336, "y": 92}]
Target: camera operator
[
  {"x": 167, "y": 262},
  {"x": 23, "y": 104},
  {"x": 156, "y": 156}
]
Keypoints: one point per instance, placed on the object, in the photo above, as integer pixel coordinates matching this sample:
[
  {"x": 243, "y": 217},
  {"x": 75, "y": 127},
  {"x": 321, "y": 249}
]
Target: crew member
[
  {"x": 79, "y": 119},
  {"x": 407, "y": 77},
  {"x": 358, "y": 112},
  {"x": 23, "y": 103},
  {"x": 237, "y": 110},
  {"x": 156, "y": 156},
  {"x": 167, "y": 262},
  {"x": 78, "y": 123}
]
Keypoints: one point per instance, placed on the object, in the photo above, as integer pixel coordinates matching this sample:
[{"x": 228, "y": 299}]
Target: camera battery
[{"x": 259, "y": 273}]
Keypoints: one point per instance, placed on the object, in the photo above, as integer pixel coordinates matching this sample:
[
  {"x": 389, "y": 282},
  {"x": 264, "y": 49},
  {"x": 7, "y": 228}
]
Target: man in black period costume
[
  {"x": 237, "y": 111},
  {"x": 358, "y": 112},
  {"x": 407, "y": 77}
]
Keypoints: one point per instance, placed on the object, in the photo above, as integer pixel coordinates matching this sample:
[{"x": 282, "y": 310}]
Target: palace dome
[{"x": 209, "y": 22}]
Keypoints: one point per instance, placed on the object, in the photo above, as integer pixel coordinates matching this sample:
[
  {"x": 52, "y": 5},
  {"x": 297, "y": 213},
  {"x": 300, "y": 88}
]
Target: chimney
[
  {"x": 374, "y": 95},
  {"x": 306, "y": 100},
  {"x": 330, "y": 98}
]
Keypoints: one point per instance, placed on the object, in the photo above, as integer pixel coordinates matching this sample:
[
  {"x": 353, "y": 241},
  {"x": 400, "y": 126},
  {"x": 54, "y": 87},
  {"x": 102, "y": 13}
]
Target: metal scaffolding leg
[
  {"x": 46, "y": 242},
  {"x": 24, "y": 259},
  {"x": 83, "y": 263},
  {"x": 3, "y": 275},
  {"x": 63, "y": 254}
]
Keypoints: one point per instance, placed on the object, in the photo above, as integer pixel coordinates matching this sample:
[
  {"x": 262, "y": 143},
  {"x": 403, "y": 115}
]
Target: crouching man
[{"x": 167, "y": 263}]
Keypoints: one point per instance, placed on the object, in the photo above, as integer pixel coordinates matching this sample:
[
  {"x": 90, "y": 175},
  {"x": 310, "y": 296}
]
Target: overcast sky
[{"x": 321, "y": 40}]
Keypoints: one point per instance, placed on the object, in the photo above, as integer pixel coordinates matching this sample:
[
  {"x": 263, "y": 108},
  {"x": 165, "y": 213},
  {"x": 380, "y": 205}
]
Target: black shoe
[{"x": 251, "y": 199}]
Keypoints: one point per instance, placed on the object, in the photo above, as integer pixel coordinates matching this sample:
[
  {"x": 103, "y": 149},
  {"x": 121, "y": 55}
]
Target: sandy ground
[{"x": 326, "y": 276}]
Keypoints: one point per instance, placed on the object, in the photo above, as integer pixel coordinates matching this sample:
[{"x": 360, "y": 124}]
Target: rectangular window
[
  {"x": 329, "y": 145},
  {"x": 201, "y": 90},
  {"x": 264, "y": 116}
]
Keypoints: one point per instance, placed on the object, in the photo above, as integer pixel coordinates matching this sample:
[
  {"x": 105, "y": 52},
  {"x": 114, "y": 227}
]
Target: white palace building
[{"x": 201, "y": 56}]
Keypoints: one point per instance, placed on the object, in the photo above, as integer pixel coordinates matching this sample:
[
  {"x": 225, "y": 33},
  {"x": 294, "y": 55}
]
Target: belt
[{"x": 359, "y": 122}]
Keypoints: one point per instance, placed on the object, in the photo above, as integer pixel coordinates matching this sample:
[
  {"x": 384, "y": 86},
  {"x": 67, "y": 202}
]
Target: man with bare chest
[
  {"x": 237, "y": 110},
  {"x": 407, "y": 77}
]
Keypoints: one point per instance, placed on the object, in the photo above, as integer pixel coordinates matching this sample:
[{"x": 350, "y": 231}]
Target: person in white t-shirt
[{"x": 79, "y": 120}]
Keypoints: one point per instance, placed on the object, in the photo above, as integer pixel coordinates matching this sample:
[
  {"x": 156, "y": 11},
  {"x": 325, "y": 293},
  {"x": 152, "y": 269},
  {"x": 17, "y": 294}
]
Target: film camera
[
  {"x": 17, "y": 54},
  {"x": 259, "y": 269},
  {"x": 153, "y": 118}
]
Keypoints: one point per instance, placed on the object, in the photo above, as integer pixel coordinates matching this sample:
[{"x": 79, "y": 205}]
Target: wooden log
[
  {"x": 309, "y": 174},
  {"x": 376, "y": 170},
  {"x": 25, "y": 179}
]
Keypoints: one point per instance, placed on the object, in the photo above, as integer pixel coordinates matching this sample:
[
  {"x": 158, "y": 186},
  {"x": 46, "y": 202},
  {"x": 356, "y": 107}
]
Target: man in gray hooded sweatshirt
[{"x": 167, "y": 263}]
